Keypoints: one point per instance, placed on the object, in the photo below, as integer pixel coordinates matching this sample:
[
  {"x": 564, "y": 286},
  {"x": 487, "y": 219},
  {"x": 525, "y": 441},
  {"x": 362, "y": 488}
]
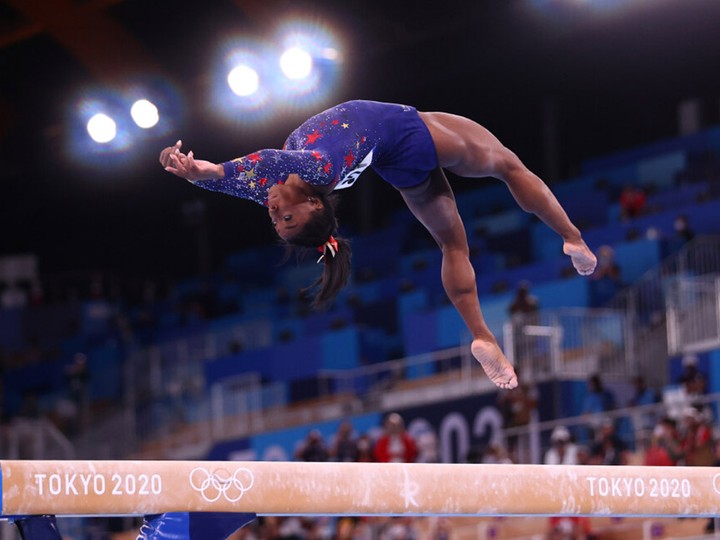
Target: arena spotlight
[
  {"x": 257, "y": 80},
  {"x": 330, "y": 53},
  {"x": 296, "y": 63},
  {"x": 101, "y": 128},
  {"x": 243, "y": 80},
  {"x": 310, "y": 63},
  {"x": 241, "y": 83},
  {"x": 144, "y": 113}
]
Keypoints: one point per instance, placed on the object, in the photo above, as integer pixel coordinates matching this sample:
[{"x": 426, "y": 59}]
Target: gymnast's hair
[{"x": 336, "y": 269}]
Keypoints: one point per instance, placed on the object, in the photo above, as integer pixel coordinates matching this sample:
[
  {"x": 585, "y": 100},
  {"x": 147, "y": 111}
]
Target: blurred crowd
[{"x": 683, "y": 433}]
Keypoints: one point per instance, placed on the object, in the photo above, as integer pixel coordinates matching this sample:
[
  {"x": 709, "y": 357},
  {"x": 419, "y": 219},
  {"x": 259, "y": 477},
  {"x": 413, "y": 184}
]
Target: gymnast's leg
[
  {"x": 466, "y": 148},
  {"x": 433, "y": 204}
]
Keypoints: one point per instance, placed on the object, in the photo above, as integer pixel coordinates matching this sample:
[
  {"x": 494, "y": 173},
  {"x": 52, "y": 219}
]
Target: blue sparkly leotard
[{"x": 333, "y": 148}]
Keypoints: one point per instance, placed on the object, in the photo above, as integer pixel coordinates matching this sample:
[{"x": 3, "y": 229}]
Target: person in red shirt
[
  {"x": 697, "y": 443},
  {"x": 664, "y": 450},
  {"x": 569, "y": 528},
  {"x": 395, "y": 445},
  {"x": 632, "y": 202}
]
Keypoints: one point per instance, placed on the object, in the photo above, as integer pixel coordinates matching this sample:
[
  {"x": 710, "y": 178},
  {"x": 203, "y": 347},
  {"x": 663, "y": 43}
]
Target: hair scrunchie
[{"x": 330, "y": 245}]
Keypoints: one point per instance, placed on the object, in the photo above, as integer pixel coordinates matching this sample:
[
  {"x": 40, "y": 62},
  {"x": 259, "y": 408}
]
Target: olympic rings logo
[{"x": 220, "y": 483}]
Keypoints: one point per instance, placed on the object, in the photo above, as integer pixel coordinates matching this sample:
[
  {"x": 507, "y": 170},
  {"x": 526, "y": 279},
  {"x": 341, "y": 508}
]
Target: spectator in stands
[
  {"x": 584, "y": 455},
  {"x": 697, "y": 439},
  {"x": 598, "y": 399},
  {"x": 664, "y": 449},
  {"x": 607, "y": 267},
  {"x": 345, "y": 446},
  {"x": 563, "y": 451},
  {"x": 632, "y": 202},
  {"x": 402, "y": 528},
  {"x": 409, "y": 150},
  {"x": 395, "y": 445},
  {"x": 442, "y": 529},
  {"x": 683, "y": 232},
  {"x": 365, "y": 449},
  {"x": 523, "y": 311},
  {"x": 525, "y": 305},
  {"x": 692, "y": 379},
  {"x": 517, "y": 406},
  {"x": 569, "y": 528},
  {"x": 77, "y": 376},
  {"x": 495, "y": 453},
  {"x": 364, "y": 529},
  {"x": 607, "y": 279},
  {"x": 313, "y": 449},
  {"x": 608, "y": 448},
  {"x": 427, "y": 447},
  {"x": 643, "y": 396}
]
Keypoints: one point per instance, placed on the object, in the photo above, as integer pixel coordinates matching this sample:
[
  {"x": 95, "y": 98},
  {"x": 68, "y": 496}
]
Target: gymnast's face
[{"x": 290, "y": 208}]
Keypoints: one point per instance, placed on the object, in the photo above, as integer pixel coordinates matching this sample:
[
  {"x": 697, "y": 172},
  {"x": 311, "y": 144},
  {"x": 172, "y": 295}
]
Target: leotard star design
[{"x": 330, "y": 149}]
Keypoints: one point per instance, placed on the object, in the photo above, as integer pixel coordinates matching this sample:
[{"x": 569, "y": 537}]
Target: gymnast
[{"x": 408, "y": 149}]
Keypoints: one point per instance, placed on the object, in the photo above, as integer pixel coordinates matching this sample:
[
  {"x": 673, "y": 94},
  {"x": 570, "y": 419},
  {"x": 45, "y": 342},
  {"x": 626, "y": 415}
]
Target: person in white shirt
[{"x": 563, "y": 451}]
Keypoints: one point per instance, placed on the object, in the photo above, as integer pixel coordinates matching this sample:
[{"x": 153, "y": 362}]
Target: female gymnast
[{"x": 409, "y": 150}]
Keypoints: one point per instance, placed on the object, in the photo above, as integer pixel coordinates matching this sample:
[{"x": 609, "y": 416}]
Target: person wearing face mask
[{"x": 682, "y": 234}]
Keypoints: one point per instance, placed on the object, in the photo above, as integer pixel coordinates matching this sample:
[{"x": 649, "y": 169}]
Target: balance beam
[{"x": 322, "y": 489}]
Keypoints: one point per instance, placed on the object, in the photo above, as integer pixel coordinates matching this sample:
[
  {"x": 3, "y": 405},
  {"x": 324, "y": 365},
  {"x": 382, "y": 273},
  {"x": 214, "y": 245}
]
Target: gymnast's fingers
[
  {"x": 177, "y": 165},
  {"x": 173, "y": 170},
  {"x": 165, "y": 156},
  {"x": 169, "y": 151}
]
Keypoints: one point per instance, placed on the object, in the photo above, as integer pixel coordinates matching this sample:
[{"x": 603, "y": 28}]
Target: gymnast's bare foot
[
  {"x": 493, "y": 361},
  {"x": 583, "y": 259}
]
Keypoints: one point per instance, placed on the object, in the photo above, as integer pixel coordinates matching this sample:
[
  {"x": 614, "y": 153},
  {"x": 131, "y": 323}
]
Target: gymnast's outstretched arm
[
  {"x": 186, "y": 166},
  {"x": 251, "y": 176}
]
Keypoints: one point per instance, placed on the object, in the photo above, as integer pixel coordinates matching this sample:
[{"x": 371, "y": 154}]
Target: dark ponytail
[{"x": 336, "y": 269}]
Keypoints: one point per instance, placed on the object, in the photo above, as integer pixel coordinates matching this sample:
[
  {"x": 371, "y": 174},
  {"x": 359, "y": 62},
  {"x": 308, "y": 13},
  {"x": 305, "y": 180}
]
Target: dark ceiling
[{"x": 598, "y": 80}]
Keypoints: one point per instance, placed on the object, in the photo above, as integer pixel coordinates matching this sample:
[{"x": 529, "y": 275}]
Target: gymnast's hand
[{"x": 186, "y": 166}]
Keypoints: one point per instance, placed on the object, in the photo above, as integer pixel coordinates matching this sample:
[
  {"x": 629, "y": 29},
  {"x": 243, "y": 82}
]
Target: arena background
[{"x": 145, "y": 318}]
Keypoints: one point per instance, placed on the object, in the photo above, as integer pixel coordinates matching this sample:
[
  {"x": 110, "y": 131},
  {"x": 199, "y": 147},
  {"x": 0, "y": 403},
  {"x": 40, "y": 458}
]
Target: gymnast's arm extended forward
[
  {"x": 236, "y": 178},
  {"x": 248, "y": 177},
  {"x": 186, "y": 166}
]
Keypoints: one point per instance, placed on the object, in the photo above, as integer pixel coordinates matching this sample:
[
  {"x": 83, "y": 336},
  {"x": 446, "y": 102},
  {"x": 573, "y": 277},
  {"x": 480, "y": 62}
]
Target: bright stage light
[
  {"x": 243, "y": 80},
  {"x": 259, "y": 80},
  {"x": 118, "y": 127},
  {"x": 144, "y": 113},
  {"x": 296, "y": 63},
  {"x": 330, "y": 53},
  {"x": 102, "y": 128}
]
